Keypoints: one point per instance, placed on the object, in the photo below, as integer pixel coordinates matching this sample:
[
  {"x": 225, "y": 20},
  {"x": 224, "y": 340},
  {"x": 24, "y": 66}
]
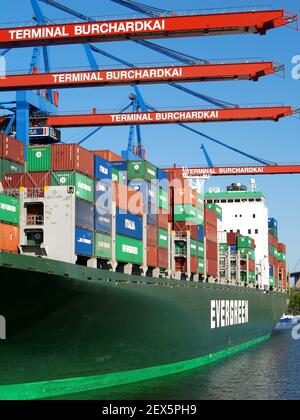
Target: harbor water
[{"x": 270, "y": 371}]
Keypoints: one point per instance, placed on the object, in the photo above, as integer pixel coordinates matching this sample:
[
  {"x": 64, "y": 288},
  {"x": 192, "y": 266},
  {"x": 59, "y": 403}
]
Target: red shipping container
[
  {"x": 9, "y": 238},
  {"x": 32, "y": 180},
  {"x": 185, "y": 196},
  {"x": 71, "y": 157},
  {"x": 232, "y": 238},
  {"x": 272, "y": 260},
  {"x": 127, "y": 199},
  {"x": 186, "y": 227},
  {"x": 282, "y": 248},
  {"x": 211, "y": 233},
  {"x": 253, "y": 244},
  {"x": 210, "y": 217},
  {"x": 271, "y": 240},
  {"x": 212, "y": 267},
  {"x": 11, "y": 149},
  {"x": 194, "y": 264},
  {"x": 163, "y": 258},
  {"x": 180, "y": 264},
  {"x": 108, "y": 155},
  {"x": 276, "y": 243},
  {"x": 163, "y": 219},
  {"x": 152, "y": 256},
  {"x": 211, "y": 250},
  {"x": 152, "y": 236},
  {"x": 251, "y": 265}
]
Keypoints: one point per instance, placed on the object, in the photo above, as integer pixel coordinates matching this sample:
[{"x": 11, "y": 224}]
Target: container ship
[{"x": 116, "y": 271}]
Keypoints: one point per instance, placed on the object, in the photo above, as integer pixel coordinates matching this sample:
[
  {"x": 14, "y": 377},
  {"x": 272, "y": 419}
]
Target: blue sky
[{"x": 167, "y": 144}]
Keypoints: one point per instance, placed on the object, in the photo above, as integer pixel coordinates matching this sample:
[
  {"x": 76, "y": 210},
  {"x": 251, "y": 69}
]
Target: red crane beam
[
  {"x": 253, "y": 22},
  {"x": 169, "y": 117},
  {"x": 196, "y": 73},
  {"x": 235, "y": 170}
]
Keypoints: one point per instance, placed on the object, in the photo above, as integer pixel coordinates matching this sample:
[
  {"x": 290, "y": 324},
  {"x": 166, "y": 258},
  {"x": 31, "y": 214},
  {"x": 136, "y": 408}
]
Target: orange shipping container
[
  {"x": 9, "y": 238},
  {"x": 152, "y": 255},
  {"x": 108, "y": 155},
  {"x": 127, "y": 199},
  {"x": 71, "y": 157},
  {"x": 282, "y": 248}
]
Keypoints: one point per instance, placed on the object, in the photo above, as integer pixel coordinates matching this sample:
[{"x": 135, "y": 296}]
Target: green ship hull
[{"x": 72, "y": 329}]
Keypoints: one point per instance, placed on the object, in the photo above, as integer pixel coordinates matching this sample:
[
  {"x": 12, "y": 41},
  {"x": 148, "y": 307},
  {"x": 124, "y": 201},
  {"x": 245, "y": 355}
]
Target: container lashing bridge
[{"x": 47, "y": 33}]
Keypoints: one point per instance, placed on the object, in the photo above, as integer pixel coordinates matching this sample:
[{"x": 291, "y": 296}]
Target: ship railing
[{"x": 35, "y": 220}]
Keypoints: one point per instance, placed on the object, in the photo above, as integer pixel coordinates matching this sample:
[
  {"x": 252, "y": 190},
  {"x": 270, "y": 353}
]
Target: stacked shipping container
[
  {"x": 277, "y": 257},
  {"x": 9, "y": 223},
  {"x": 187, "y": 217}
]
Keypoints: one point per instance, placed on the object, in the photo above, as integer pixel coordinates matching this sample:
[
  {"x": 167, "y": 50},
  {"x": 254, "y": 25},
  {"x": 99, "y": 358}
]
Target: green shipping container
[
  {"x": 163, "y": 199},
  {"x": 276, "y": 254},
  {"x": 201, "y": 249},
  {"x": 84, "y": 185},
  {"x": 201, "y": 265},
  {"x": 247, "y": 252},
  {"x": 244, "y": 242},
  {"x": 103, "y": 246},
  {"x": 274, "y": 232},
  {"x": 39, "y": 159},
  {"x": 8, "y": 167},
  {"x": 216, "y": 209},
  {"x": 163, "y": 240},
  {"x": 194, "y": 247},
  {"x": 9, "y": 209},
  {"x": 272, "y": 281},
  {"x": 223, "y": 247},
  {"x": 185, "y": 212},
  {"x": 282, "y": 256},
  {"x": 251, "y": 277},
  {"x": 129, "y": 250},
  {"x": 141, "y": 169}
]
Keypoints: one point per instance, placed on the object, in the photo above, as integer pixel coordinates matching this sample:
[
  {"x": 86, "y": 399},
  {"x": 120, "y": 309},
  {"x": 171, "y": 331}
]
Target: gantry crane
[{"x": 248, "y": 22}]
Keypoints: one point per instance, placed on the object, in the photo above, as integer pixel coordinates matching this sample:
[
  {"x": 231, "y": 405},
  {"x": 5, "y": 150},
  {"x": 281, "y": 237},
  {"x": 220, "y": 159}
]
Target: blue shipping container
[
  {"x": 129, "y": 225},
  {"x": 120, "y": 166},
  {"x": 84, "y": 215},
  {"x": 103, "y": 220},
  {"x": 102, "y": 169},
  {"x": 148, "y": 189},
  {"x": 200, "y": 233},
  {"x": 162, "y": 175},
  {"x": 272, "y": 270},
  {"x": 233, "y": 249},
  {"x": 84, "y": 242},
  {"x": 273, "y": 223},
  {"x": 103, "y": 195}
]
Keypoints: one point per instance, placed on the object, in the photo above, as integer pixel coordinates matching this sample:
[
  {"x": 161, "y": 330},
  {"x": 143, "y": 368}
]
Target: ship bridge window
[
  {"x": 230, "y": 201},
  {"x": 249, "y": 231},
  {"x": 258, "y": 200},
  {"x": 254, "y": 216},
  {"x": 223, "y": 201},
  {"x": 256, "y": 231},
  {"x": 237, "y": 201},
  {"x": 251, "y": 200}
]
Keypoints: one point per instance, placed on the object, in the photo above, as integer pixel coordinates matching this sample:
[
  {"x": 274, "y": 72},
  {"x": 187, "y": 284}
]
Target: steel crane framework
[{"x": 35, "y": 110}]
